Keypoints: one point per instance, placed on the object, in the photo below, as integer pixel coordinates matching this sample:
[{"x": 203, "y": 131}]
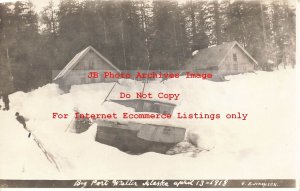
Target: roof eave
[
  {"x": 105, "y": 59},
  {"x": 247, "y": 53},
  {"x": 236, "y": 43},
  {"x": 86, "y": 50}
]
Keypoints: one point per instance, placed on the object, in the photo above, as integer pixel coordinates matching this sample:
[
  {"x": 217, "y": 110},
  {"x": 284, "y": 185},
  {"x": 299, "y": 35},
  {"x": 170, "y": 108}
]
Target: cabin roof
[
  {"x": 75, "y": 60},
  {"x": 214, "y": 56}
]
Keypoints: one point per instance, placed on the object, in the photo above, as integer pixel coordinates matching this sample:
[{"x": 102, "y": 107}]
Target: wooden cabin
[
  {"x": 221, "y": 60},
  {"x": 77, "y": 70},
  {"x": 137, "y": 138}
]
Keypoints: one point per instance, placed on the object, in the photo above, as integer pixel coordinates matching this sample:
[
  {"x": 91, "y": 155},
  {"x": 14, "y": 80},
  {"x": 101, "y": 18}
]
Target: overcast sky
[{"x": 39, "y": 4}]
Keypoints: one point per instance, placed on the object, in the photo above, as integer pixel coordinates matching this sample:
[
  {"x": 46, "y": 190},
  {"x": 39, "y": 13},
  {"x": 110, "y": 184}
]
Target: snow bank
[
  {"x": 20, "y": 156},
  {"x": 262, "y": 146}
]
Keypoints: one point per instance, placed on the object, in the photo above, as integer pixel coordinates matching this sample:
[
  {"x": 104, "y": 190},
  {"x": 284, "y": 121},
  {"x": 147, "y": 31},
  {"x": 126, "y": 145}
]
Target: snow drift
[{"x": 263, "y": 146}]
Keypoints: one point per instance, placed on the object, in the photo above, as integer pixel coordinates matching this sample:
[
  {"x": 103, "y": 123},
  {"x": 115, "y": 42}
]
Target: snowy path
[
  {"x": 28, "y": 158},
  {"x": 49, "y": 156}
]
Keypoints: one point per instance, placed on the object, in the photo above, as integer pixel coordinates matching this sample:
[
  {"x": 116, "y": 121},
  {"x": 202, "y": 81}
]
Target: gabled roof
[
  {"x": 214, "y": 56},
  {"x": 77, "y": 58}
]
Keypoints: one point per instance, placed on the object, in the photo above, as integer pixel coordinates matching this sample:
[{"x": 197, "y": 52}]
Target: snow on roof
[
  {"x": 77, "y": 58},
  {"x": 215, "y": 55},
  {"x": 195, "y": 52}
]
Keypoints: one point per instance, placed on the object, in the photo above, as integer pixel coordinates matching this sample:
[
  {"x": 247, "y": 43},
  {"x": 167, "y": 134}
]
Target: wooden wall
[
  {"x": 242, "y": 65},
  {"x": 90, "y": 62}
]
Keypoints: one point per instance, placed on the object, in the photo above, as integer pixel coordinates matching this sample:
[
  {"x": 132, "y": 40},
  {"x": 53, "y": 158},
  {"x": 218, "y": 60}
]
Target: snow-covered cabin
[
  {"x": 225, "y": 59},
  {"x": 77, "y": 70}
]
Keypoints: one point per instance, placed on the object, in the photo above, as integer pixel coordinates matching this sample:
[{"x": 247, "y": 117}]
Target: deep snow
[{"x": 263, "y": 146}]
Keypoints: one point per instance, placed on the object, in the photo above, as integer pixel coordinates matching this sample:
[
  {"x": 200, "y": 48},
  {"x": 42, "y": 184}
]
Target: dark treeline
[{"x": 136, "y": 34}]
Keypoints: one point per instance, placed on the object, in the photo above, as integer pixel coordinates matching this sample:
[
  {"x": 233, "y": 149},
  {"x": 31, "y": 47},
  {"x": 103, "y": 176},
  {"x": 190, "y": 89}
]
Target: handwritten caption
[
  {"x": 212, "y": 183},
  {"x": 150, "y": 183}
]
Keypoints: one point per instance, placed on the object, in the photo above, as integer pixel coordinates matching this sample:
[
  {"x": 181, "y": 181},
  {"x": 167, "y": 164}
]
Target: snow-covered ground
[{"x": 262, "y": 146}]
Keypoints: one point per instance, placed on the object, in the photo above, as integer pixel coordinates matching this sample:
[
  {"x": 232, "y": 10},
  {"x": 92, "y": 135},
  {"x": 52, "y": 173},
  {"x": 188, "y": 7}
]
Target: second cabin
[{"x": 225, "y": 59}]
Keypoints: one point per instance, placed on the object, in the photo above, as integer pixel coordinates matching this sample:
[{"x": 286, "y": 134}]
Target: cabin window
[
  {"x": 147, "y": 107},
  {"x": 235, "y": 67},
  {"x": 140, "y": 106},
  {"x": 234, "y": 57},
  {"x": 155, "y": 108},
  {"x": 91, "y": 66},
  {"x": 167, "y": 130}
]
